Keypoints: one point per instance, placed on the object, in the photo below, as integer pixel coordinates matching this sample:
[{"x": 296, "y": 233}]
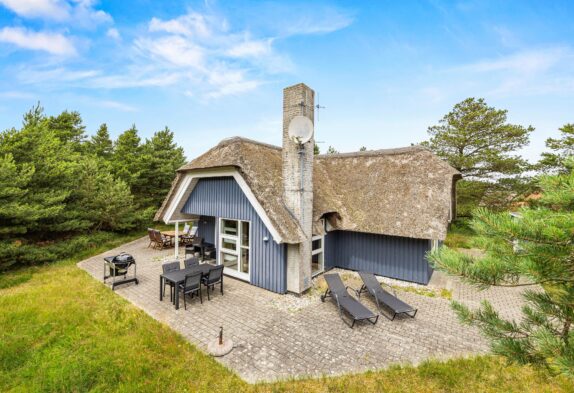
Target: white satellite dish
[{"x": 301, "y": 129}]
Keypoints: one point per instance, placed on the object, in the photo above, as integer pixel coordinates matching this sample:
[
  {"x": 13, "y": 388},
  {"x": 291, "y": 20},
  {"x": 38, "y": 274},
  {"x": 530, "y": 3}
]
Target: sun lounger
[
  {"x": 385, "y": 299},
  {"x": 346, "y": 303}
]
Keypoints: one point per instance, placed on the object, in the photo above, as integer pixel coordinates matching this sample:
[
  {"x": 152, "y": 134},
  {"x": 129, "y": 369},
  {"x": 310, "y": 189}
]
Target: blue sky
[{"x": 385, "y": 71}]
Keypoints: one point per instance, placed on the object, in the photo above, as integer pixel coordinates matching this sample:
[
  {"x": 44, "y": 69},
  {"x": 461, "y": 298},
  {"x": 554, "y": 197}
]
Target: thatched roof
[{"x": 401, "y": 192}]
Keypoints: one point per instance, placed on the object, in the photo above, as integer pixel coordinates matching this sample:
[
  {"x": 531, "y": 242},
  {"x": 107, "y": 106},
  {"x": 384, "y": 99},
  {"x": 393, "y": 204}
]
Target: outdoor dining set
[
  {"x": 162, "y": 239},
  {"x": 190, "y": 280},
  {"x": 194, "y": 244}
]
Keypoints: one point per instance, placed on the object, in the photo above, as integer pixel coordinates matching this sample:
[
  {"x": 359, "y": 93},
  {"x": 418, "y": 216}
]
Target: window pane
[
  {"x": 229, "y": 227},
  {"x": 229, "y": 244},
  {"x": 244, "y": 260},
  {"x": 229, "y": 261},
  {"x": 317, "y": 244},
  {"x": 317, "y": 263},
  {"x": 245, "y": 233}
]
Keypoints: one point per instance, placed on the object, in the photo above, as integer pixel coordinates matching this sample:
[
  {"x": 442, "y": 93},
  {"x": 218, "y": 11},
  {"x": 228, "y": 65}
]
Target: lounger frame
[
  {"x": 342, "y": 310},
  {"x": 380, "y": 304}
]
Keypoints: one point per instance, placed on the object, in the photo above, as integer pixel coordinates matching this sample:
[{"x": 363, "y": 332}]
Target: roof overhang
[{"x": 172, "y": 212}]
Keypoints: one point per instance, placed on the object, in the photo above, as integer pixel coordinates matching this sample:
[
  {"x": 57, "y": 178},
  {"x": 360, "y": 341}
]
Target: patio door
[{"x": 234, "y": 247}]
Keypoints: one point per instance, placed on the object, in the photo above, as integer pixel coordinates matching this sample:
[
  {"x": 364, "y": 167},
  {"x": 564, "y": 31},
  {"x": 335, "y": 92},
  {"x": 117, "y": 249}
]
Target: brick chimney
[{"x": 298, "y": 100}]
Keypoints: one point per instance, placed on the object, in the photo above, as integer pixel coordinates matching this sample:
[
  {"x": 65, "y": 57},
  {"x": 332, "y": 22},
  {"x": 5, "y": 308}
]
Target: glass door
[{"x": 234, "y": 246}]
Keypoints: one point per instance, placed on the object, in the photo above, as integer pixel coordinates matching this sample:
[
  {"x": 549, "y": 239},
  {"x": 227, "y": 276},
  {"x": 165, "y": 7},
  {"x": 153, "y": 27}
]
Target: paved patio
[{"x": 282, "y": 336}]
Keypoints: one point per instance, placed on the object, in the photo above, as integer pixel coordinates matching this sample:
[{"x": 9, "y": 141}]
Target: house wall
[
  {"x": 206, "y": 229},
  {"x": 390, "y": 256},
  {"x": 222, "y": 197}
]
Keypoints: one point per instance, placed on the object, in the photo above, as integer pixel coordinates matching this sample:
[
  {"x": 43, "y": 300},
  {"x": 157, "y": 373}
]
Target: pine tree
[
  {"x": 162, "y": 158},
  {"x": 127, "y": 159},
  {"x": 54, "y": 163},
  {"x": 477, "y": 140},
  {"x": 15, "y": 212},
  {"x": 69, "y": 128},
  {"x": 104, "y": 201},
  {"x": 561, "y": 149},
  {"x": 535, "y": 250},
  {"x": 331, "y": 150},
  {"x": 100, "y": 144}
]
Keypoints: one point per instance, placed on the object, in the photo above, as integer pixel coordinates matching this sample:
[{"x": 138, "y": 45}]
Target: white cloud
[
  {"x": 117, "y": 105},
  {"x": 289, "y": 19},
  {"x": 54, "y": 43},
  {"x": 190, "y": 24},
  {"x": 174, "y": 50},
  {"x": 526, "y": 72},
  {"x": 200, "y": 54},
  {"x": 229, "y": 82},
  {"x": 524, "y": 62},
  {"x": 22, "y": 95},
  {"x": 251, "y": 48},
  {"x": 78, "y": 12},
  {"x": 113, "y": 33},
  {"x": 49, "y": 9}
]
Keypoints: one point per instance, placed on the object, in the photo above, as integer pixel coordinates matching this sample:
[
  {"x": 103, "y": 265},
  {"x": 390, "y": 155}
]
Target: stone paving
[{"x": 283, "y": 336}]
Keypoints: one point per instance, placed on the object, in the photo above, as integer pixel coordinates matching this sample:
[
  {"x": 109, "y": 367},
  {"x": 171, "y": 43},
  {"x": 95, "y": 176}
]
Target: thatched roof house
[
  {"x": 404, "y": 192},
  {"x": 375, "y": 200}
]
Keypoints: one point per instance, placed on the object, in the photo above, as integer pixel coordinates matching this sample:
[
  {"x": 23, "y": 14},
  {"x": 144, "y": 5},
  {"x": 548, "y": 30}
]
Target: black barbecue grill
[{"x": 118, "y": 266}]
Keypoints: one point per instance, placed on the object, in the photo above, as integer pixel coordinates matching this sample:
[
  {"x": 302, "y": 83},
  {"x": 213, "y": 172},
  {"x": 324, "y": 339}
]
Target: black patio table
[{"x": 178, "y": 277}]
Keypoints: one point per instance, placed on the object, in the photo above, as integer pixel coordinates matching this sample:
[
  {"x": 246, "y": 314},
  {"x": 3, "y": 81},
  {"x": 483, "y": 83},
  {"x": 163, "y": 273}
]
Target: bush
[{"x": 26, "y": 253}]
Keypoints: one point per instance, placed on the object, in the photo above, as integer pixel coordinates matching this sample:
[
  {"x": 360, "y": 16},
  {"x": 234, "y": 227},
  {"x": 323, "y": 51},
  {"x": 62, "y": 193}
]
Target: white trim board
[{"x": 186, "y": 187}]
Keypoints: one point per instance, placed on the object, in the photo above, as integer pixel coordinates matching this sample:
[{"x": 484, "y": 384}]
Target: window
[
  {"x": 229, "y": 227},
  {"x": 317, "y": 256},
  {"x": 234, "y": 241}
]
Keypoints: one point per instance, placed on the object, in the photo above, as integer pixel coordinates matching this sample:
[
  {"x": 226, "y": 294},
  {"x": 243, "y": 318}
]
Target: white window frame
[
  {"x": 237, "y": 252},
  {"x": 318, "y": 251}
]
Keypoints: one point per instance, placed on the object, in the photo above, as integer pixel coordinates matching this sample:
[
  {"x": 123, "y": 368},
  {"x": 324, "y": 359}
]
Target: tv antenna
[{"x": 318, "y": 107}]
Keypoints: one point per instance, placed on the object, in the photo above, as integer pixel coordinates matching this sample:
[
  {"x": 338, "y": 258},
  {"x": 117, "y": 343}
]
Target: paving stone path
[{"x": 275, "y": 341}]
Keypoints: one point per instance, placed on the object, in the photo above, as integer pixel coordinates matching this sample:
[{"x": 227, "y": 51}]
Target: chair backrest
[
  {"x": 170, "y": 266},
  {"x": 192, "y": 280},
  {"x": 335, "y": 284},
  {"x": 193, "y": 261},
  {"x": 186, "y": 228},
  {"x": 370, "y": 281},
  {"x": 193, "y": 231},
  {"x": 151, "y": 234},
  {"x": 157, "y": 235},
  {"x": 215, "y": 274},
  {"x": 197, "y": 241}
]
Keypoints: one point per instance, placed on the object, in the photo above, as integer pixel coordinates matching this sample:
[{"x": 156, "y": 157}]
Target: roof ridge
[
  {"x": 234, "y": 139},
  {"x": 379, "y": 152}
]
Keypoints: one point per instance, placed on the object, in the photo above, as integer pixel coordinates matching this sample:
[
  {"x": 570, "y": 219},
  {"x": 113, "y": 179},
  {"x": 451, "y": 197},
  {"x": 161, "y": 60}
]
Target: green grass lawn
[
  {"x": 62, "y": 331},
  {"x": 460, "y": 234}
]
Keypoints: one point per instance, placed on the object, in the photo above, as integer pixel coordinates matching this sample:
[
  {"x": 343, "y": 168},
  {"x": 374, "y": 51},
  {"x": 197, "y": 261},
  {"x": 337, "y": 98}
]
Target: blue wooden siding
[
  {"x": 222, "y": 197},
  {"x": 390, "y": 256},
  {"x": 206, "y": 228}
]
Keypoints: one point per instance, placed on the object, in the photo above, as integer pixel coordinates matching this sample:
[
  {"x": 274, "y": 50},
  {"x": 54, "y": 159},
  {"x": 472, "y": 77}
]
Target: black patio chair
[
  {"x": 385, "y": 299},
  {"x": 191, "y": 286},
  {"x": 190, "y": 262},
  {"x": 215, "y": 276},
  {"x": 345, "y": 302},
  {"x": 194, "y": 247},
  {"x": 166, "y": 268}
]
